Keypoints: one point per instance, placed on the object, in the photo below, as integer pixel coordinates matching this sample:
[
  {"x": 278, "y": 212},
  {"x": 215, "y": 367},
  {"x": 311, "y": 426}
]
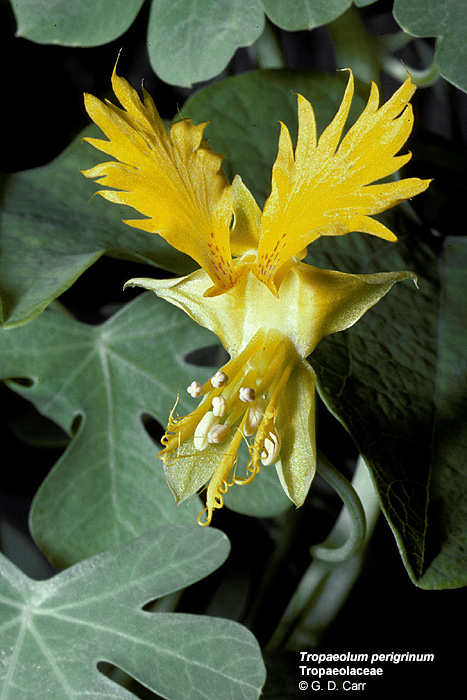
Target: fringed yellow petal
[
  {"x": 329, "y": 139},
  {"x": 175, "y": 180},
  {"x": 323, "y": 188}
]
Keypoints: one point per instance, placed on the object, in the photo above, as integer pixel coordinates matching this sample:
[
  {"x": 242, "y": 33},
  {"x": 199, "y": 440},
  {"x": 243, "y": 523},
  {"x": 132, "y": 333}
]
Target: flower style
[{"x": 253, "y": 290}]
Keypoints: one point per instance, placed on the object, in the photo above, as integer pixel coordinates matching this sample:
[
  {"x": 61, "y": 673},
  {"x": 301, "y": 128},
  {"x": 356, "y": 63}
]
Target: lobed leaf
[
  {"x": 55, "y": 633},
  {"x": 176, "y": 30},
  {"x": 447, "y": 543},
  {"x": 108, "y": 487}
]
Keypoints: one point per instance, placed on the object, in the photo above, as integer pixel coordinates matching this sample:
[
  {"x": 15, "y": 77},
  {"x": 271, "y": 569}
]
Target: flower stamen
[
  {"x": 219, "y": 379},
  {"x": 203, "y": 429},
  {"x": 254, "y": 417},
  {"x": 271, "y": 448},
  {"x": 219, "y": 483},
  {"x": 246, "y": 393},
  {"x": 218, "y": 433},
  {"x": 265, "y": 448},
  {"x": 218, "y": 406},
  {"x": 195, "y": 389}
]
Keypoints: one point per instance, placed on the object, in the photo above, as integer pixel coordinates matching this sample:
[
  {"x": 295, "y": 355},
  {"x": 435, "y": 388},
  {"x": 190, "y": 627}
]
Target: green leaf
[
  {"x": 53, "y": 229},
  {"x": 193, "y": 40},
  {"x": 73, "y": 23},
  {"x": 445, "y": 20},
  {"x": 304, "y": 14},
  {"x": 108, "y": 487},
  {"x": 448, "y": 487},
  {"x": 393, "y": 380},
  {"x": 54, "y": 633}
]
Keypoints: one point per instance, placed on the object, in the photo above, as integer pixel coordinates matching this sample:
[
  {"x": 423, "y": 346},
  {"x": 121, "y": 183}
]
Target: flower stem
[
  {"x": 329, "y": 579},
  {"x": 421, "y": 77},
  {"x": 340, "y": 545}
]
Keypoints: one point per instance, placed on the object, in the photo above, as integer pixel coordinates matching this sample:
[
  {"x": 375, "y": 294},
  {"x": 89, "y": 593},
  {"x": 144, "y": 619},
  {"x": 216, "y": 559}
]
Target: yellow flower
[{"x": 267, "y": 307}]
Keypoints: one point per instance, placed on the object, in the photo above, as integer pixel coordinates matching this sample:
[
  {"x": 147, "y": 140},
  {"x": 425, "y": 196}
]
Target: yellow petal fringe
[
  {"x": 324, "y": 189},
  {"x": 175, "y": 180}
]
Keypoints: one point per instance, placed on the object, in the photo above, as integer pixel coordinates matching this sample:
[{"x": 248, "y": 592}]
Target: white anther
[
  {"x": 271, "y": 448},
  {"x": 254, "y": 418},
  {"x": 218, "y": 433},
  {"x": 218, "y": 406},
  {"x": 195, "y": 389},
  {"x": 201, "y": 435},
  {"x": 246, "y": 393},
  {"x": 219, "y": 379}
]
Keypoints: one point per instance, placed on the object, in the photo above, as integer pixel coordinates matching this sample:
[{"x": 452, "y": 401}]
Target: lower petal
[{"x": 296, "y": 417}]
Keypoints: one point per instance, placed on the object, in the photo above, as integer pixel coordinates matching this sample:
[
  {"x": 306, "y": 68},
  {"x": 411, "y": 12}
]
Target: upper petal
[
  {"x": 174, "y": 180},
  {"x": 321, "y": 188}
]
